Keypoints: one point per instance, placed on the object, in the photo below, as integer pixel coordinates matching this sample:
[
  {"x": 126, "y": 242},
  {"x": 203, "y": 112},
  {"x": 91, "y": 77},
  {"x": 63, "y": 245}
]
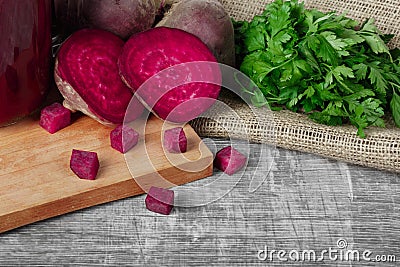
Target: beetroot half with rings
[
  {"x": 173, "y": 73},
  {"x": 87, "y": 75}
]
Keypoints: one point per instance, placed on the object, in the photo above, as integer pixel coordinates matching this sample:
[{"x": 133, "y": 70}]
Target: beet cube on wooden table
[
  {"x": 84, "y": 164},
  {"x": 123, "y": 138},
  {"x": 160, "y": 200},
  {"x": 175, "y": 140},
  {"x": 229, "y": 160},
  {"x": 55, "y": 117}
]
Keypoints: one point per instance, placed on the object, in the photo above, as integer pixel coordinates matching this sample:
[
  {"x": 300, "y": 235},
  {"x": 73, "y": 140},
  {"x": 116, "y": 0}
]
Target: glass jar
[{"x": 25, "y": 54}]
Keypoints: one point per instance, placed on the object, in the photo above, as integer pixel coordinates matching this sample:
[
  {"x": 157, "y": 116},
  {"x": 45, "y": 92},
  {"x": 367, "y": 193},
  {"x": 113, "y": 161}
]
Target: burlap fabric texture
[{"x": 380, "y": 149}]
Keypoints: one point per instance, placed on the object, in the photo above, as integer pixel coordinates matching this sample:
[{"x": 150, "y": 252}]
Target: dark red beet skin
[
  {"x": 148, "y": 53},
  {"x": 122, "y": 17},
  {"x": 87, "y": 61}
]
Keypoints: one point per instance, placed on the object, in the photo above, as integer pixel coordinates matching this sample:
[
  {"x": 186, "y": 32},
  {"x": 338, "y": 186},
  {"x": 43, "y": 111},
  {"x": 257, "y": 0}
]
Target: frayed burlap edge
[
  {"x": 380, "y": 149},
  {"x": 285, "y": 129}
]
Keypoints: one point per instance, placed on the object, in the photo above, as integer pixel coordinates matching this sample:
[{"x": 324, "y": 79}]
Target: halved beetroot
[
  {"x": 176, "y": 94},
  {"x": 87, "y": 75}
]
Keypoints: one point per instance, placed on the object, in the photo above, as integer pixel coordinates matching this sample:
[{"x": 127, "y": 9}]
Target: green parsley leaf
[
  {"x": 371, "y": 35},
  {"x": 395, "y": 107},
  {"x": 326, "y": 51},
  {"x": 377, "y": 78},
  {"x": 254, "y": 39},
  {"x": 318, "y": 63},
  {"x": 361, "y": 71}
]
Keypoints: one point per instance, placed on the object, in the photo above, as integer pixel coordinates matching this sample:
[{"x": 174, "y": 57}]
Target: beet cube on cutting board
[
  {"x": 55, "y": 117},
  {"x": 175, "y": 140},
  {"x": 160, "y": 200},
  {"x": 123, "y": 138},
  {"x": 84, "y": 164},
  {"x": 229, "y": 160}
]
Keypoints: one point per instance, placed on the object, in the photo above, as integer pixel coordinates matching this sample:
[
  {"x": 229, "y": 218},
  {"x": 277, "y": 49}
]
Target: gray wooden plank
[{"x": 306, "y": 203}]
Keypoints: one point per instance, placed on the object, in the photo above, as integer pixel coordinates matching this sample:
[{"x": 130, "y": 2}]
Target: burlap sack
[{"x": 381, "y": 148}]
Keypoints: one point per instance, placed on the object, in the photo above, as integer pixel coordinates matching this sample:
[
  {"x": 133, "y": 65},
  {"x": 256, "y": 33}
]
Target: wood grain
[
  {"x": 36, "y": 182},
  {"x": 306, "y": 202}
]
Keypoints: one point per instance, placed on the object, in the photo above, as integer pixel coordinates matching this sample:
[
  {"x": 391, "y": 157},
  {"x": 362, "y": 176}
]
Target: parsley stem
[{"x": 394, "y": 85}]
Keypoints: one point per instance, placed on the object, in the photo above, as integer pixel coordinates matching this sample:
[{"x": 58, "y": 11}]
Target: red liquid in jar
[{"x": 25, "y": 44}]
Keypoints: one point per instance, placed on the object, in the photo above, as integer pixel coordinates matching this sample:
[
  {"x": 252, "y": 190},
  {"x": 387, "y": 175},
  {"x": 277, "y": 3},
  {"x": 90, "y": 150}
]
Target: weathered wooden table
[{"x": 306, "y": 205}]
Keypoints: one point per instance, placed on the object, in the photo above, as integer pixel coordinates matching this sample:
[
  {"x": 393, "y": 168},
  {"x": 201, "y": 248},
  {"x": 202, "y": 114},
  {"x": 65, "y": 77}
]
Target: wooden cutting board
[{"x": 36, "y": 182}]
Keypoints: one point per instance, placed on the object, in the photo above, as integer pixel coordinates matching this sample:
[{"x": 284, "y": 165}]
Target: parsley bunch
[{"x": 325, "y": 65}]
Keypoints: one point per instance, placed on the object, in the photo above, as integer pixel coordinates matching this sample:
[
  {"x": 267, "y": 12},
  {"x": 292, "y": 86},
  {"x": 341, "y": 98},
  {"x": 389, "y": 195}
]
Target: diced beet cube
[
  {"x": 123, "y": 138},
  {"x": 85, "y": 164},
  {"x": 175, "y": 140},
  {"x": 229, "y": 160},
  {"x": 160, "y": 200},
  {"x": 55, "y": 117}
]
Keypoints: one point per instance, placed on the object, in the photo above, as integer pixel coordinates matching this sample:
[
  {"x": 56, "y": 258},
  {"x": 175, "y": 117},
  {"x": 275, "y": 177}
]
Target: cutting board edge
[{"x": 117, "y": 191}]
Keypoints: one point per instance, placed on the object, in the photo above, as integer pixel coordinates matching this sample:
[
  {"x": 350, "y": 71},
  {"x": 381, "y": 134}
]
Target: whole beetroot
[
  {"x": 87, "y": 75},
  {"x": 208, "y": 20},
  {"x": 121, "y": 17}
]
